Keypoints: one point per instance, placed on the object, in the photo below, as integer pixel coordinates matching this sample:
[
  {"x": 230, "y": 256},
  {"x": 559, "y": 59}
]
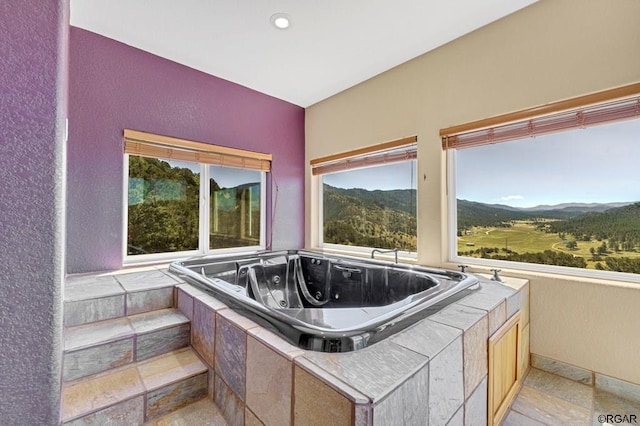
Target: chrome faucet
[
  {"x": 496, "y": 277},
  {"x": 395, "y": 250}
]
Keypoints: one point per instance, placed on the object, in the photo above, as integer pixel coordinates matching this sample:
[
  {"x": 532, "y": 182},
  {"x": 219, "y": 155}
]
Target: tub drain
[{"x": 283, "y": 303}]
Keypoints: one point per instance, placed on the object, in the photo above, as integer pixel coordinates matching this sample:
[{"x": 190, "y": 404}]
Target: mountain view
[
  {"x": 164, "y": 209},
  {"x": 370, "y": 218},
  {"x": 593, "y": 236},
  {"x": 602, "y": 236}
]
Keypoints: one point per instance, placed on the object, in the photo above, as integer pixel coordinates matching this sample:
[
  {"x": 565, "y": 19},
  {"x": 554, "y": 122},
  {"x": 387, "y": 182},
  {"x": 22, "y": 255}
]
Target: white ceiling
[{"x": 332, "y": 45}]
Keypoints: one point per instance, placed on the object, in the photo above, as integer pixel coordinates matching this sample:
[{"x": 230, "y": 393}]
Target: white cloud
[{"x": 512, "y": 197}]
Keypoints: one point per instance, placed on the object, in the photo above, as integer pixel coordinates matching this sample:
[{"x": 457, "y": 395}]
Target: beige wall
[{"x": 552, "y": 50}]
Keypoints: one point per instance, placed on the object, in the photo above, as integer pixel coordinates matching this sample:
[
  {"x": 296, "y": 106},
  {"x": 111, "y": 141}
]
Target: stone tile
[
  {"x": 475, "y": 409},
  {"x": 498, "y": 288},
  {"x": 363, "y": 414},
  {"x": 446, "y": 383},
  {"x": 184, "y": 303},
  {"x": 459, "y": 316},
  {"x": 95, "y": 359},
  {"x": 153, "y": 321},
  {"x": 618, "y": 387},
  {"x": 337, "y": 384},
  {"x": 158, "y": 342},
  {"x": 497, "y": 317},
  {"x": 230, "y": 354},
  {"x": 607, "y": 403},
  {"x": 562, "y": 369},
  {"x": 200, "y": 413},
  {"x": 560, "y": 387},
  {"x": 549, "y": 409},
  {"x": 99, "y": 392},
  {"x": 91, "y": 287},
  {"x": 240, "y": 321},
  {"x": 149, "y": 300},
  {"x": 203, "y": 326},
  {"x": 408, "y": 404},
  {"x": 159, "y": 332},
  {"x": 228, "y": 402},
  {"x": 169, "y": 368},
  {"x": 427, "y": 337},
  {"x": 475, "y": 355},
  {"x": 525, "y": 349},
  {"x": 250, "y": 419},
  {"x": 189, "y": 289},
  {"x": 210, "y": 301},
  {"x": 484, "y": 298},
  {"x": 86, "y": 335},
  {"x": 145, "y": 280},
  {"x": 458, "y": 418},
  {"x": 374, "y": 371},
  {"x": 176, "y": 395},
  {"x": 513, "y": 303},
  {"x": 129, "y": 412},
  {"x": 316, "y": 403},
  {"x": 525, "y": 304},
  {"x": 269, "y": 379},
  {"x": 91, "y": 310},
  {"x": 275, "y": 342},
  {"x": 513, "y": 418}
]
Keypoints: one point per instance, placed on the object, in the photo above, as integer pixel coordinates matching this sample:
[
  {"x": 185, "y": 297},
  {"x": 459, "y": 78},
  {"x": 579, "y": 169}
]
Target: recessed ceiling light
[{"x": 281, "y": 21}]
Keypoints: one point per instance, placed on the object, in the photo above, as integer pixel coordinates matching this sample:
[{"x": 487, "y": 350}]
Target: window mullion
[{"x": 205, "y": 191}]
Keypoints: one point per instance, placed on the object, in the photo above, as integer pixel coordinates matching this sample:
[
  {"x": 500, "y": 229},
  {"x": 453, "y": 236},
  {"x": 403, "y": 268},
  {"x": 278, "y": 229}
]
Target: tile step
[
  {"x": 100, "y": 297},
  {"x": 137, "y": 392},
  {"x": 100, "y": 346},
  {"x": 201, "y": 413}
]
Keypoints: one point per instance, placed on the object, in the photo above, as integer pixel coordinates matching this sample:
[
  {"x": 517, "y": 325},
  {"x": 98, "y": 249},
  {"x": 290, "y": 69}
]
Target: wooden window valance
[
  {"x": 384, "y": 153},
  {"x": 158, "y": 146},
  {"x": 599, "y": 108}
]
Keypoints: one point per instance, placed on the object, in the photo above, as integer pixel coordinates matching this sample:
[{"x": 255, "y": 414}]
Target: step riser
[
  {"x": 137, "y": 393},
  {"x": 96, "y": 359},
  {"x": 147, "y": 407},
  {"x": 78, "y": 312}
]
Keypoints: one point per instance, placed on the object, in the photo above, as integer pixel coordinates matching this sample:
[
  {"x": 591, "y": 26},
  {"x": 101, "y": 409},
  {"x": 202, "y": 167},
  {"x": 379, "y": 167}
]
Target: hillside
[
  {"x": 621, "y": 224},
  {"x": 385, "y": 219}
]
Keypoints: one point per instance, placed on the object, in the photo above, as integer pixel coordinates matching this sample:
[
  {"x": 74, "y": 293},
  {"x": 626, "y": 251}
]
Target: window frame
[
  {"x": 567, "y": 106},
  {"x": 203, "y": 225},
  {"x": 359, "y": 155}
]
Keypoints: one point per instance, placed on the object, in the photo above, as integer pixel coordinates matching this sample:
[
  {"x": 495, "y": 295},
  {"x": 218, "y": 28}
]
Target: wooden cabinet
[{"x": 504, "y": 369}]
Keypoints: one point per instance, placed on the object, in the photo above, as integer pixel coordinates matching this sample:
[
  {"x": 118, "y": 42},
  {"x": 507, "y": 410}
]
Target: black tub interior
[{"x": 324, "y": 302}]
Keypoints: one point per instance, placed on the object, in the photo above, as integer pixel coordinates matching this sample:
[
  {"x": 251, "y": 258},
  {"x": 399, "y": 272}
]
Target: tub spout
[{"x": 395, "y": 251}]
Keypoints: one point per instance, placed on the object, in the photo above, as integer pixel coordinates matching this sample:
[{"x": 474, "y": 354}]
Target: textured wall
[
  {"x": 114, "y": 86},
  {"x": 33, "y": 38},
  {"x": 549, "y": 51}
]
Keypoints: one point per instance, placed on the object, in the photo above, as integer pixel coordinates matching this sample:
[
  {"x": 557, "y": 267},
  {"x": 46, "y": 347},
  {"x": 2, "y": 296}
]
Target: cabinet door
[{"x": 504, "y": 369}]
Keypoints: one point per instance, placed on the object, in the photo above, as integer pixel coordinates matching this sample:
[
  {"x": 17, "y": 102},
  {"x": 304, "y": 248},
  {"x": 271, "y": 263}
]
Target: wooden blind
[
  {"x": 158, "y": 146},
  {"x": 600, "y": 108},
  {"x": 384, "y": 153}
]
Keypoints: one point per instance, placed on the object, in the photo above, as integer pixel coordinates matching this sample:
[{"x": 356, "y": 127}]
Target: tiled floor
[{"x": 548, "y": 399}]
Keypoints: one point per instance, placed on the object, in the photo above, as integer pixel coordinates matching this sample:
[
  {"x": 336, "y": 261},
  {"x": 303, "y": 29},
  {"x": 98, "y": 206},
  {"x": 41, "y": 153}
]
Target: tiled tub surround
[{"x": 435, "y": 370}]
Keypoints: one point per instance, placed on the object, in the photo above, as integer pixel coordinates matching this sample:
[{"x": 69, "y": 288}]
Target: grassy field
[{"x": 522, "y": 237}]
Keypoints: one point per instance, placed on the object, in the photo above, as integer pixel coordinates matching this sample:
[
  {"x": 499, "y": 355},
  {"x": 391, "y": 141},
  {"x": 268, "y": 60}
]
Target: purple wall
[
  {"x": 114, "y": 86},
  {"x": 33, "y": 40}
]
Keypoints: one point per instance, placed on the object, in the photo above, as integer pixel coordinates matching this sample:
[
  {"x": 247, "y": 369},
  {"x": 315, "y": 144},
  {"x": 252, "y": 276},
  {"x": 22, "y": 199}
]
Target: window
[
  {"x": 568, "y": 196},
  {"x": 368, "y": 197},
  {"x": 185, "y": 198}
]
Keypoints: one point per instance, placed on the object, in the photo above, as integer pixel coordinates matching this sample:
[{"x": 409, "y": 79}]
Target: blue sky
[
  {"x": 597, "y": 164},
  {"x": 385, "y": 177}
]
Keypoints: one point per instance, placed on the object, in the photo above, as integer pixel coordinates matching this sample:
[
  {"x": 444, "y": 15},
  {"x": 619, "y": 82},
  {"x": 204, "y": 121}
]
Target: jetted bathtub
[{"x": 325, "y": 302}]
